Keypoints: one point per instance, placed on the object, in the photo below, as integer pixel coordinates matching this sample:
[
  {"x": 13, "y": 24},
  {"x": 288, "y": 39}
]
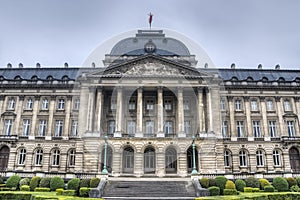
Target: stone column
[
  {"x": 34, "y": 117},
  {"x": 160, "y": 113},
  {"x": 91, "y": 109},
  {"x": 264, "y": 127},
  {"x": 232, "y": 127},
  {"x": 180, "y": 114},
  {"x": 83, "y": 110},
  {"x": 248, "y": 124},
  {"x": 119, "y": 113},
  {"x": 19, "y": 105},
  {"x": 200, "y": 111},
  {"x": 294, "y": 109},
  {"x": 67, "y": 117},
  {"x": 50, "y": 122},
  {"x": 209, "y": 110},
  {"x": 139, "y": 113},
  {"x": 1, "y": 109},
  {"x": 99, "y": 108},
  {"x": 280, "y": 118}
]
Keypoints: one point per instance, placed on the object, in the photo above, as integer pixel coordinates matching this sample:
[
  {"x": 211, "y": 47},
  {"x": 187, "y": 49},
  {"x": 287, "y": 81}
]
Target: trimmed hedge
[
  {"x": 248, "y": 189},
  {"x": 25, "y": 188},
  {"x": 230, "y": 192},
  {"x": 214, "y": 191},
  {"x": 240, "y": 184},
  {"x": 269, "y": 188},
  {"x": 84, "y": 183},
  {"x": 34, "y": 182},
  {"x": 230, "y": 185},
  {"x": 45, "y": 182},
  {"x": 255, "y": 190},
  {"x": 94, "y": 182},
  {"x": 69, "y": 192},
  {"x": 13, "y": 181},
  {"x": 264, "y": 182},
  {"x": 42, "y": 189},
  {"x": 59, "y": 191},
  {"x": 56, "y": 182},
  {"x": 252, "y": 182},
  {"x": 280, "y": 184},
  {"x": 73, "y": 184},
  {"x": 84, "y": 191},
  {"x": 24, "y": 181},
  {"x": 204, "y": 182},
  {"x": 291, "y": 181},
  {"x": 221, "y": 182},
  {"x": 15, "y": 196}
]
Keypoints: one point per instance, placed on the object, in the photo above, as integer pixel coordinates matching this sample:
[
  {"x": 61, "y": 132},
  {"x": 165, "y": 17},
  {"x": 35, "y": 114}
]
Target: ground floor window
[
  {"x": 128, "y": 160},
  {"x": 149, "y": 160},
  {"x": 171, "y": 160}
]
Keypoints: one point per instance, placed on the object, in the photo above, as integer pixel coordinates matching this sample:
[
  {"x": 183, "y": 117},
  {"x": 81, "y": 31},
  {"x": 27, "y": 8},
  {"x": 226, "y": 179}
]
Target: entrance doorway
[
  {"x": 4, "y": 154},
  {"x": 294, "y": 159},
  {"x": 171, "y": 160},
  {"x": 149, "y": 160},
  {"x": 128, "y": 160}
]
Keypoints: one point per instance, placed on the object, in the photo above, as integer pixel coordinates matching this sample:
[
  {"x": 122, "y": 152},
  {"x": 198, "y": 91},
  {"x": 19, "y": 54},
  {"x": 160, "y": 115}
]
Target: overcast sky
[{"x": 245, "y": 32}]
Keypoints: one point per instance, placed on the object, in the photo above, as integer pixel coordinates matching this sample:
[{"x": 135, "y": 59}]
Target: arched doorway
[
  {"x": 108, "y": 159},
  {"x": 128, "y": 160},
  {"x": 4, "y": 154},
  {"x": 149, "y": 160},
  {"x": 189, "y": 155},
  {"x": 294, "y": 159},
  {"x": 171, "y": 160}
]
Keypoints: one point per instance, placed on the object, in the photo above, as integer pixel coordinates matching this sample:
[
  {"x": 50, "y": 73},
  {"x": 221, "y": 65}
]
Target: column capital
[
  {"x": 230, "y": 98},
  {"x": 92, "y": 88},
  {"x": 180, "y": 89},
  {"x": 277, "y": 98},
  {"x": 53, "y": 97},
  {"x": 140, "y": 89},
  {"x": 22, "y": 97},
  {"x": 246, "y": 98},
  {"x": 37, "y": 97},
  {"x": 297, "y": 99},
  {"x": 262, "y": 99}
]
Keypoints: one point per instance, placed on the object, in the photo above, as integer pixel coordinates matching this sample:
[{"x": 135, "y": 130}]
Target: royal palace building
[{"x": 144, "y": 111}]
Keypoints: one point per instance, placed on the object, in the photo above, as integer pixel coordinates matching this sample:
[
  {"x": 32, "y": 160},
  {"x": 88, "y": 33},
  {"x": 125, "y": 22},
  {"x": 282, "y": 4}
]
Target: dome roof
[{"x": 150, "y": 41}]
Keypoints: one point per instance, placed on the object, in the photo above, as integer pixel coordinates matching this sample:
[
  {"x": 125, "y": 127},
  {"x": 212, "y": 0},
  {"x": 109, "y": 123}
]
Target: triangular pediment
[{"x": 149, "y": 65}]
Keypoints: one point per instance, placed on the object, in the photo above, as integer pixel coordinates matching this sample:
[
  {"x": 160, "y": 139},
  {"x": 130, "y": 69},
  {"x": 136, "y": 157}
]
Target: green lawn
[{"x": 256, "y": 196}]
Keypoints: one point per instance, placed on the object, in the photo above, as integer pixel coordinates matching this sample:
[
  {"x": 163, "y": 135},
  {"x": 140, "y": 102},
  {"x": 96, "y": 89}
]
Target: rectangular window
[
  {"x": 254, "y": 106},
  {"x": 112, "y": 127},
  {"x": 42, "y": 128},
  {"x": 29, "y": 104},
  {"x": 256, "y": 129},
  {"x": 287, "y": 105},
  {"x": 74, "y": 128},
  {"x": 168, "y": 127},
  {"x": 238, "y": 105},
  {"x": 132, "y": 105},
  {"x": 168, "y": 105},
  {"x": 270, "y": 105},
  {"x": 58, "y": 128},
  {"x": 225, "y": 129},
  {"x": 45, "y": 104},
  {"x": 272, "y": 129},
  {"x": 61, "y": 104},
  {"x": 76, "y": 104},
  {"x": 222, "y": 104},
  {"x": 291, "y": 128},
  {"x": 187, "y": 127},
  {"x": 149, "y": 105},
  {"x": 39, "y": 157},
  {"x": 186, "y": 105},
  {"x": 131, "y": 128},
  {"x": 7, "y": 126},
  {"x": 113, "y": 104},
  {"x": 259, "y": 158},
  {"x": 149, "y": 128},
  {"x": 240, "y": 129},
  {"x": 26, "y": 127},
  {"x": 11, "y": 103},
  {"x": 276, "y": 158}
]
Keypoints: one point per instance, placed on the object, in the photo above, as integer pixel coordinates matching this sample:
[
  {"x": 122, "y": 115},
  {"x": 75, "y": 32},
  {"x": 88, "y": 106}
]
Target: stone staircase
[{"x": 149, "y": 189}]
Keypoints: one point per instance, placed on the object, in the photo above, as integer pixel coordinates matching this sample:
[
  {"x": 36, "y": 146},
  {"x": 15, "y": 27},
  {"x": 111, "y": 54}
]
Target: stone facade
[{"x": 150, "y": 105}]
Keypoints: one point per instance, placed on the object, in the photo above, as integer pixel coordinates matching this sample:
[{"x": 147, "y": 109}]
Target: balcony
[
  {"x": 9, "y": 138},
  {"x": 286, "y": 140}
]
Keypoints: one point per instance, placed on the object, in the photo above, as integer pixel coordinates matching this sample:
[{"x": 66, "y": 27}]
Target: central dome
[{"x": 150, "y": 41}]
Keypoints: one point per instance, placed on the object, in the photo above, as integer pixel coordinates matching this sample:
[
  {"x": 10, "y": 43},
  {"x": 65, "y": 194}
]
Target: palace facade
[{"x": 150, "y": 100}]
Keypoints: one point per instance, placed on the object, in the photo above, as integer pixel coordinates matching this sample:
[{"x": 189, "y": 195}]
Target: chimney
[
  {"x": 93, "y": 65},
  {"x": 38, "y": 65},
  {"x": 277, "y": 67},
  {"x": 20, "y": 65},
  {"x": 9, "y": 65},
  {"x": 232, "y": 66},
  {"x": 66, "y": 65},
  {"x": 205, "y": 65},
  {"x": 259, "y": 66}
]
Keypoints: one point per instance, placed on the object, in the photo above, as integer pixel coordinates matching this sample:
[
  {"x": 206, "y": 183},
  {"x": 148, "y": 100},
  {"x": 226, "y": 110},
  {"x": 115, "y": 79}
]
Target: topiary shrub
[
  {"x": 41, "y": 189},
  {"x": 211, "y": 182},
  {"x": 252, "y": 182},
  {"x": 230, "y": 185},
  {"x": 34, "y": 182},
  {"x": 214, "y": 191},
  {"x": 24, "y": 181},
  {"x": 204, "y": 182},
  {"x": 240, "y": 184},
  {"x": 263, "y": 182},
  {"x": 56, "y": 182},
  {"x": 280, "y": 184},
  {"x": 84, "y": 191},
  {"x": 269, "y": 188},
  {"x": 291, "y": 181},
  {"x": 84, "y": 183},
  {"x": 230, "y": 192},
  {"x": 94, "y": 182},
  {"x": 73, "y": 184},
  {"x": 248, "y": 189},
  {"x": 13, "y": 181},
  {"x": 24, "y": 188},
  {"x": 298, "y": 180},
  {"x": 45, "y": 182},
  {"x": 221, "y": 182}
]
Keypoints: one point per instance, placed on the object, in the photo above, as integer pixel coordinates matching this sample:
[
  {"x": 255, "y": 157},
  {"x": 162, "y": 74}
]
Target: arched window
[
  {"x": 294, "y": 159},
  {"x": 243, "y": 158},
  {"x": 4, "y": 155},
  {"x": 276, "y": 158},
  {"x": 171, "y": 160},
  {"x": 227, "y": 158},
  {"x": 55, "y": 157},
  {"x": 128, "y": 160},
  {"x": 71, "y": 158},
  {"x": 149, "y": 160},
  {"x": 39, "y": 157},
  {"x": 259, "y": 158},
  {"x": 22, "y": 156}
]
